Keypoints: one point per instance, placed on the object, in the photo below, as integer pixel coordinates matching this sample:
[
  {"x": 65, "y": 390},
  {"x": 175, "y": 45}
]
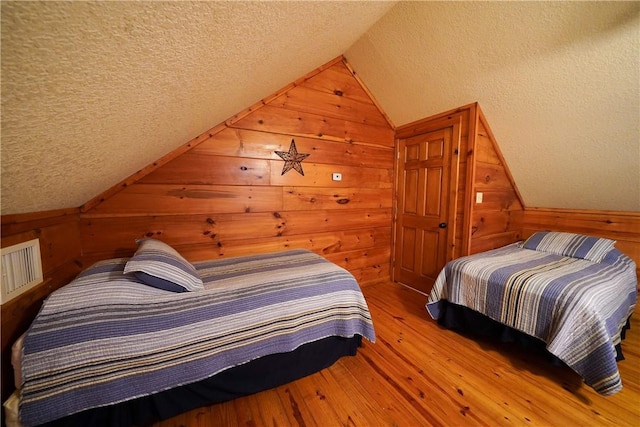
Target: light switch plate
[{"x": 336, "y": 176}]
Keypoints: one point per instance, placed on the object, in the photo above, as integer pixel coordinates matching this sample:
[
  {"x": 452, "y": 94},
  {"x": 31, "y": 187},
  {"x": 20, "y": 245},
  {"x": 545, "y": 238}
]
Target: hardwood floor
[{"x": 418, "y": 374}]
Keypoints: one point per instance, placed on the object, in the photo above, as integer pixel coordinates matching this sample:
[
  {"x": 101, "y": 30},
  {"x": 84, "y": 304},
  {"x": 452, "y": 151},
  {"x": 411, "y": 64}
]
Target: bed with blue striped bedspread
[
  {"x": 577, "y": 307},
  {"x": 108, "y": 338}
]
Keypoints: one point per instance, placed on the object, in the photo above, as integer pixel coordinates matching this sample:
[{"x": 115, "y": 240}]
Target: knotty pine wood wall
[
  {"x": 59, "y": 234},
  {"x": 225, "y": 195},
  {"x": 490, "y": 223}
]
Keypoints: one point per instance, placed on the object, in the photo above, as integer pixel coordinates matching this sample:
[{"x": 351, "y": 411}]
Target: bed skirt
[
  {"x": 466, "y": 320},
  {"x": 260, "y": 374}
]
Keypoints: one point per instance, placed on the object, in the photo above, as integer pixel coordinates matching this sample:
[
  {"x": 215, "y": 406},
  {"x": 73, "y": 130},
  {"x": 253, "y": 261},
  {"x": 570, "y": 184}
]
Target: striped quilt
[
  {"x": 108, "y": 338},
  {"x": 577, "y": 307}
]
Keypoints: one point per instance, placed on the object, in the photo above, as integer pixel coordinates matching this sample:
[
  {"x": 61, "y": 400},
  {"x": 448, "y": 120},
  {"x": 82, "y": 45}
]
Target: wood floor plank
[
  {"x": 419, "y": 374},
  {"x": 365, "y": 397},
  {"x": 380, "y": 393}
]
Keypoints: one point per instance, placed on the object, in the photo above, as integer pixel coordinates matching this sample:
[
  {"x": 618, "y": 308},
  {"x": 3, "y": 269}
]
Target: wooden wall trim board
[{"x": 470, "y": 185}]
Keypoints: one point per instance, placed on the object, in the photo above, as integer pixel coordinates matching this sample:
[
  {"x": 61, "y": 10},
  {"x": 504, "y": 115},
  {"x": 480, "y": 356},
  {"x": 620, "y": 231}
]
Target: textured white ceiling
[
  {"x": 559, "y": 83},
  {"x": 92, "y": 92}
]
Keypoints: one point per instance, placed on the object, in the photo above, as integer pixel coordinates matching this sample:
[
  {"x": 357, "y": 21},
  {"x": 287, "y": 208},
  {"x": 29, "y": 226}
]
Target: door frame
[{"x": 455, "y": 123}]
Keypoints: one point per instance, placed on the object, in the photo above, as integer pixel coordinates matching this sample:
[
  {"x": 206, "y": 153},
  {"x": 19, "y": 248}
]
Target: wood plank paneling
[
  {"x": 171, "y": 199},
  {"x": 300, "y": 123},
  {"x": 339, "y": 79},
  {"x": 495, "y": 240},
  {"x": 227, "y": 195},
  {"x": 497, "y": 201},
  {"x": 490, "y": 222},
  {"x": 193, "y": 168},
  {"x": 610, "y": 224},
  {"x": 491, "y": 177},
  {"x": 305, "y": 198},
  {"x": 260, "y": 145},
  {"x": 229, "y": 235},
  {"x": 320, "y": 175},
  {"x": 481, "y": 228},
  {"x": 330, "y": 105}
]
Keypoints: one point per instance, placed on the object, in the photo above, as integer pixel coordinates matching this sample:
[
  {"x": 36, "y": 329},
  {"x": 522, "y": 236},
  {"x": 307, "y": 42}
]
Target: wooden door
[{"x": 425, "y": 209}]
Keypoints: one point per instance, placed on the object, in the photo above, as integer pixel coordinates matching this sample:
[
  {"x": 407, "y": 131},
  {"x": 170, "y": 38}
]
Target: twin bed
[
  {"x": 135, "y": 340},
  {"x": 573, "y": 294}
]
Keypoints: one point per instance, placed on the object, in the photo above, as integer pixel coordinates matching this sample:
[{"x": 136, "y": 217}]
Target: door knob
[{"x": 442, "y": 225}]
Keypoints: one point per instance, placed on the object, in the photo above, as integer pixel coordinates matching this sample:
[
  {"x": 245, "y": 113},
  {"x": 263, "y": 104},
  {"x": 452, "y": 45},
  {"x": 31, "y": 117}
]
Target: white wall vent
[{"x": 21, "y": 269}]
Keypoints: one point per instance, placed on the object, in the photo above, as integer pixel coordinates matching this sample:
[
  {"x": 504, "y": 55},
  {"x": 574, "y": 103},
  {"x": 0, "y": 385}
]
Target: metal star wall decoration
[{"x": 292, "y": 159}]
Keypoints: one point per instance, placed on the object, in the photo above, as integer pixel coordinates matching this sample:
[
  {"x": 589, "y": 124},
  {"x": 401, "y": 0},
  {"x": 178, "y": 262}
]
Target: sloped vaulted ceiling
[
  {"x": 559, "y": 83},
  {"x": 92, "y": 92}
]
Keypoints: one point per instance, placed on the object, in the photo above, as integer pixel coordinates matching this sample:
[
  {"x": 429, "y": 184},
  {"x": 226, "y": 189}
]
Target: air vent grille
[{"x": 21, "y": 269}]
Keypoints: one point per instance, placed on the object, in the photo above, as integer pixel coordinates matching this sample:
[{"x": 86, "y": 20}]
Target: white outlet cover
[{"x": 336, "y": 176}]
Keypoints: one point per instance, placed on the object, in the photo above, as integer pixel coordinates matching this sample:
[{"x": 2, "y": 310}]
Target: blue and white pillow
[
  {"x": 159, "y": 265},
  {"x": 570, "y": 245}
]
